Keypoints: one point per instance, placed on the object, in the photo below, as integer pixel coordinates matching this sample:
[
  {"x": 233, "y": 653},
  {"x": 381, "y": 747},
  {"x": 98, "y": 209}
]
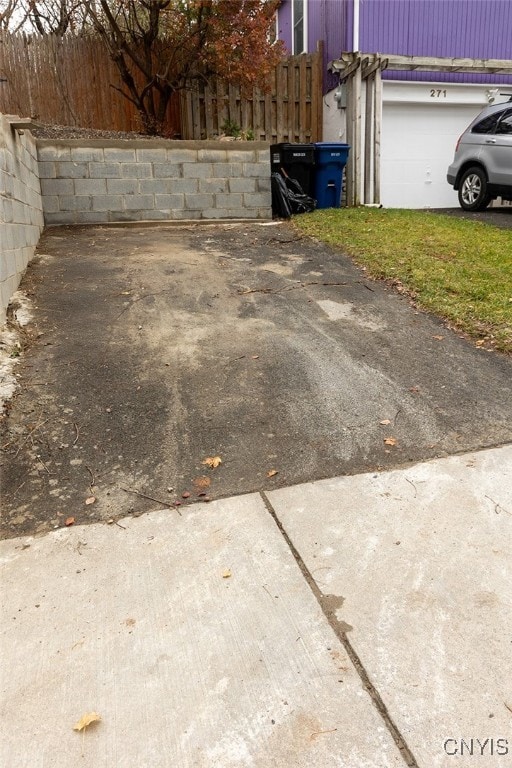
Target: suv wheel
[{"x": 473, "y": 194}]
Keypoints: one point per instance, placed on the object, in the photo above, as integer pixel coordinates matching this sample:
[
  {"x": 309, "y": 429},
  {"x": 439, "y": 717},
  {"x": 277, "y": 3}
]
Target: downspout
[
  {"x": 355, "y": 27},
  {"x": 354, "y": 115}
]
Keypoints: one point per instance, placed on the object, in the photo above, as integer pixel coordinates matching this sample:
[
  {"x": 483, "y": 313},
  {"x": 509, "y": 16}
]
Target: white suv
[{"x": 482, "y": 166}]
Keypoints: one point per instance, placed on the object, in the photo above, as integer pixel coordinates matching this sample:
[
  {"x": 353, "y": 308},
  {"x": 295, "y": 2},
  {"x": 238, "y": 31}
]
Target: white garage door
[{"x": 418, "y": 142}]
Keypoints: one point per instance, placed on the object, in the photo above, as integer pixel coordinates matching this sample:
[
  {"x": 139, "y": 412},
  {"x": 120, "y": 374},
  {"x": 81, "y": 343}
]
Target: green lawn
[{"x": 459, "y": 269}]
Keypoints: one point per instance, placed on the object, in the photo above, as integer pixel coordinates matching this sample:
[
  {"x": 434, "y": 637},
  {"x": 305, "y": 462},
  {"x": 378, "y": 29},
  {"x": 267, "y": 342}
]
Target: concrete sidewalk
[{"x": 361, "y": 622}]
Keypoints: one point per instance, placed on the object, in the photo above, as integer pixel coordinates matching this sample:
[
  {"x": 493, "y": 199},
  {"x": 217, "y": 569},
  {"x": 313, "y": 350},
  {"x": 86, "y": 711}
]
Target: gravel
[{"x": 73, "y": 132}]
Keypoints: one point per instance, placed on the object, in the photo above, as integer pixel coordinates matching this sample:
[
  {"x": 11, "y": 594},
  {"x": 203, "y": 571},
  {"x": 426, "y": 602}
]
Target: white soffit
[{"x": 439, "y": 94}]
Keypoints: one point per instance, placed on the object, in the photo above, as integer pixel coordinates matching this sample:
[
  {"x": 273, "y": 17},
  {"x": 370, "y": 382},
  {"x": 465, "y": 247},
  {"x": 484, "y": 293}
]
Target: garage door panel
[
  {"x": 413, "y": 195},
  {"x": 418, "y": 143},
  {"x": 400, "y": 172},
  {"x": 412, "y": 146}
]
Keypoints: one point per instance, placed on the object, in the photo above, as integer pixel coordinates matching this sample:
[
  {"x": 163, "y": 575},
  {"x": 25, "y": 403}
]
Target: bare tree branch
[
  {"x": 162, "y": 46},
  {"x": 12, "y": 15}
]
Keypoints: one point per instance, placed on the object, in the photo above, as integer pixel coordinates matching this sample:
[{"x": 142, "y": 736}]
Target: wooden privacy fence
[
  {"x": 290, "y": 111},
  {"x": 72, "y": 80},
  {"x": 63, "y": 81}
]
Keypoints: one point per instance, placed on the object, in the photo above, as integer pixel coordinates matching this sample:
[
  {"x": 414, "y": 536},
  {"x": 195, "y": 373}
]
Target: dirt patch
[{"x": 48, "y": 131}]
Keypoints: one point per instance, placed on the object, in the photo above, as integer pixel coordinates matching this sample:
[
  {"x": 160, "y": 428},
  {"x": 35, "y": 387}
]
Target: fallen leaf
[
  {"x": 185, "y": 495},
  {"x": 130, "y": 622},
  {"x": 90, "y": 500},
  {"x": 384, "y": 422},
  {"x": 254, "y": 357},
  {"x": 88, "y": 719},
  {"x": 439, "y": 338},
  {"x": 69, "y": 521},
  {"x": 212, "y": 461},
  {"x": 480, "y": 342},
  {"x": 414, "y": 389},
  {"x": 390, "y": 441},
  {"x": 202, "y": 482},
  {"x": 272, "y": 472},
  {"x": 226, "y": 574}
]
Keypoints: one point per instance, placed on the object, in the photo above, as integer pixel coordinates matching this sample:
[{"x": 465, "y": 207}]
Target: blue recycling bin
[{"x": 330, "y": 160}]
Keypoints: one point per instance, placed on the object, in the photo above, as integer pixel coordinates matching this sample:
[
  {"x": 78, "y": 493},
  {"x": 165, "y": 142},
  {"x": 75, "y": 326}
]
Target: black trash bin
[{"x": 297, "y": 161}]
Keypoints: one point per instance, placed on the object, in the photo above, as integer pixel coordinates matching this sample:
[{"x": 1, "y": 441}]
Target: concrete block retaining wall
[
  {"x": 82, "y": 181},
  {"x": 21, "y": 214},
  {"x": 94, "y": 181}
]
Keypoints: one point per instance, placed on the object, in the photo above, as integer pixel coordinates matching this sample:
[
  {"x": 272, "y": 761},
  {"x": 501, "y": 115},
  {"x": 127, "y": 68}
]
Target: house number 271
[{"x": 437, "y": 93}]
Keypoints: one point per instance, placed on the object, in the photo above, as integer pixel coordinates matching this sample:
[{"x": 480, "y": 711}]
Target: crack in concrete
[{"x": 329, "y": 605}]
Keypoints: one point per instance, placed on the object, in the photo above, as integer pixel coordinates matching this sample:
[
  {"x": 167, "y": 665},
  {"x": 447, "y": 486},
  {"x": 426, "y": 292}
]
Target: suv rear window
[
  {"x": 505, "y": 124},
  {"x": 488, "y": 124}
]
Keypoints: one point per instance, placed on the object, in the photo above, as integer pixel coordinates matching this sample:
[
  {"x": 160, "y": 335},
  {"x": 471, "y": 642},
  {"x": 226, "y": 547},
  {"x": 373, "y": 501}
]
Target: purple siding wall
[
  {"x": 284, "y": 23},
  {"x": 468, "y": 28},
  {"x": 327, "y": 21},
  {"x": 348, "y": 36},
  {"x": 472, "y": 28}
]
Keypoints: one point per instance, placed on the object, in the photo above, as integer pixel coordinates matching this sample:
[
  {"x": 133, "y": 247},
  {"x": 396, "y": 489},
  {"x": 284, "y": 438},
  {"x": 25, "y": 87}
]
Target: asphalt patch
[{"x": 154, "y": 349}]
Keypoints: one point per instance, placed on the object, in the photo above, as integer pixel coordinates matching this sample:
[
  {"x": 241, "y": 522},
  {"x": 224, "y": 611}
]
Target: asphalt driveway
[
  {"x": 498, "y": 217},
  {"x": 156, "y": 348}
]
